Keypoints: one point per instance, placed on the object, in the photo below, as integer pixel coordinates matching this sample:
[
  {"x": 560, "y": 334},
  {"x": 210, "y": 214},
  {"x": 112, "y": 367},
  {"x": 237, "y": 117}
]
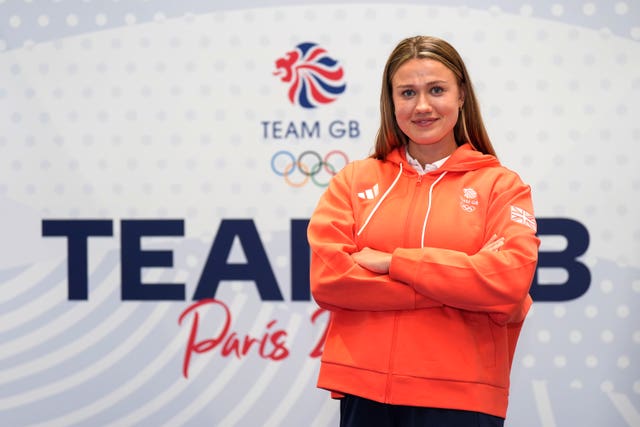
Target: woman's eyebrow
[{"x": 431, "y": 83}]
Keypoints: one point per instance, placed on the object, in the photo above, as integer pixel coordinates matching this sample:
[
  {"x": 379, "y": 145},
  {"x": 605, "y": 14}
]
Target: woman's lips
[{"x": 424, "y": 122}]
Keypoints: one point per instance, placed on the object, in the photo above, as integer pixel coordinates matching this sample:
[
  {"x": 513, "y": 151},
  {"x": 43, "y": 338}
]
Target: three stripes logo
[{"x": 369, "y": 193}]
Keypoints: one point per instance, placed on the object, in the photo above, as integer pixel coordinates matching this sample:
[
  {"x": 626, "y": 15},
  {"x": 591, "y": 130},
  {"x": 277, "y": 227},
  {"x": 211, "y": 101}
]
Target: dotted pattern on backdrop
[
  {"x": 81, "y": 148},
  {"x": 153, "y": 102},
  {"x": 26, "y": 21}
]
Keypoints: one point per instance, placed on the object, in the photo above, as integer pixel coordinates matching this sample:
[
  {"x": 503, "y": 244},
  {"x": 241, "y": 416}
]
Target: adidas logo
[{"x": 369, "y": 193}]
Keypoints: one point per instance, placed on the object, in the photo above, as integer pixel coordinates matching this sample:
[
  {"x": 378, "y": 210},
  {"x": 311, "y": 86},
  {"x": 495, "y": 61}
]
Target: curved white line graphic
[
  {"x": 62, "y": 323},
  {"x": 244, "y": 405},
  {"x": 328, "y": 412},
  {"x": 55, "y": 296},
  {"x": 625, "y": 408},
  {"x": 180, "y": 385},
  {"x": 543, "y": 403},
  {"x": 91, "y": 371},
  {"x": 27, "y": 279},
  {"x": 24, "y": 313},
  {"x": 79, "y": 345},
  {"x": 304, "y": 380},
  {"x": 207, "y": 395}
]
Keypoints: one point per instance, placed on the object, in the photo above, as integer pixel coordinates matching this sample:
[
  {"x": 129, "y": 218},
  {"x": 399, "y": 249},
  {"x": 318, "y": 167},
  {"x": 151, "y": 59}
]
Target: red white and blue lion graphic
[{"x": 314, "y": 78}]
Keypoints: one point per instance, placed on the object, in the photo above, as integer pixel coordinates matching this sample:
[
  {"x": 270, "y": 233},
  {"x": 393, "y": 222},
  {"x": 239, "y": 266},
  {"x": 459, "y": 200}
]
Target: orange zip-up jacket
[{"x": 440, "y": 329}]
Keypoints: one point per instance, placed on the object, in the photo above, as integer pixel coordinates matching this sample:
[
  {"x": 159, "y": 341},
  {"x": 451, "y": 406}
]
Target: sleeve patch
[{"x": 521, "y": 216}]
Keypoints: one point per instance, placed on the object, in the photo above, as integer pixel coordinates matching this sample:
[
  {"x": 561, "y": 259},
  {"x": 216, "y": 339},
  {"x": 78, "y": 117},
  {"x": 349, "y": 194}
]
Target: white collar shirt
[{"x": 428, "y": 167}]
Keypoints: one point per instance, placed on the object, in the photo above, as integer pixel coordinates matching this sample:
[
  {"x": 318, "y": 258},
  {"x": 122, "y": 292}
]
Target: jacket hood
[{"x": 463, "y": 159}]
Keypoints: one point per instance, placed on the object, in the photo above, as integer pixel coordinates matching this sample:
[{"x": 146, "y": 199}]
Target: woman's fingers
[{"x": 494, "y": 244}]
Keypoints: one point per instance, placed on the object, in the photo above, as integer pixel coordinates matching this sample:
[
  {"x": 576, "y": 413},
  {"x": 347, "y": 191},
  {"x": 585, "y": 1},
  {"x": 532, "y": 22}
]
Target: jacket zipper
[
  {"x": 430, "y": 202},
  {"x": 392, "y": 352},
  {"x": 396, "y": 317}
]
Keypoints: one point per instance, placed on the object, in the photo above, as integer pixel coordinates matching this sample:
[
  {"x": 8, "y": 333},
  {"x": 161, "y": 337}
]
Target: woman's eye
[
  {"x": 408, "y": 92},
  {"x": 436, "y": 90}
]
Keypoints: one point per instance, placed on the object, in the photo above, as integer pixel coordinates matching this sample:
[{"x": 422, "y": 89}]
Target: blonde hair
[{"x": 469, "y": 127}]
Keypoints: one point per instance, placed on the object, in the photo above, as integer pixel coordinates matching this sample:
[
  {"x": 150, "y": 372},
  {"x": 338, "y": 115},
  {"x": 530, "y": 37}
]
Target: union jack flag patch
[{"x": 521, "y": 216}]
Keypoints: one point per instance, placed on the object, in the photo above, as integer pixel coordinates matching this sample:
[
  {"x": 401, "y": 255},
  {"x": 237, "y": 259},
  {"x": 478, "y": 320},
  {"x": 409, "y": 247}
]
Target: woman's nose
[{"x": 423, "y": 103}]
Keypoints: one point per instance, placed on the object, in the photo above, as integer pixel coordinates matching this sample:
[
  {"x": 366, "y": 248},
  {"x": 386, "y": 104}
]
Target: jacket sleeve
[
  {"x": 337, "y": 282},
  {"x": 494, "y": 282}
]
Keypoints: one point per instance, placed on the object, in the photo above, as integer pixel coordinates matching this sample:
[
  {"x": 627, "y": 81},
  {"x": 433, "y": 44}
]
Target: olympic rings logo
[{"x": 309, "y": 165}]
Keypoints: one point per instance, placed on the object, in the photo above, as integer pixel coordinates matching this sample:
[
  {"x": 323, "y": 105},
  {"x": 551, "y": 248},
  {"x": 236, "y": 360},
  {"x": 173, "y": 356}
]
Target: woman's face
[{"x": 427, "y": 100}]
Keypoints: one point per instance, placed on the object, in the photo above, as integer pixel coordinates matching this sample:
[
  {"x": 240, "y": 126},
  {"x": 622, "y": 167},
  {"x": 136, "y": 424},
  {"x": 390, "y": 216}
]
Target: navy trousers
[{"x": 359, "y": 412}]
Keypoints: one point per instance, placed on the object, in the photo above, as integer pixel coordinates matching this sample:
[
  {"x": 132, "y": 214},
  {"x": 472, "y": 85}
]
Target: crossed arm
[{"x": 379, "y": 262}]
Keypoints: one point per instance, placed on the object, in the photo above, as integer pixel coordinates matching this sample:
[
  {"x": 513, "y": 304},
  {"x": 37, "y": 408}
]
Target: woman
[{"x": 424, "y": 254}]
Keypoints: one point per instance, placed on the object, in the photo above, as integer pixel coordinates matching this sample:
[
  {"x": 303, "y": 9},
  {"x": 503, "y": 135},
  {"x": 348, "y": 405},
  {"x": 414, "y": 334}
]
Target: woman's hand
[
  {"x": 373, "y": 260},
  {"x": 379, "y": 262},
  {"x": 494, "y": 244}
]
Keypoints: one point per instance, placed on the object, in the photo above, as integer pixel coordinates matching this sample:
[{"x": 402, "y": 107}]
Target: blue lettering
[
  {"x": 354, "y": 129},
  {"x": 257, "y": 267},
  {"x": 313, "y": 131},
  {"x": 300, "y": 261},
  {"x": 579, "y": 277},
  {"x": 265, "y": 129},
  {"x": 291, "y": 130},
  {"x": 133, "y": 259},
  {"x": 338, "y": 129},
  {"x": 77, "y": 233},
  {"x": 303, "y": 130}
]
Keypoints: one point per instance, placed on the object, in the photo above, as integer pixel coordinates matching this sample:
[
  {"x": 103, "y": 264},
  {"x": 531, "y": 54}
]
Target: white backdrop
[{"x": 170, "y": 113}]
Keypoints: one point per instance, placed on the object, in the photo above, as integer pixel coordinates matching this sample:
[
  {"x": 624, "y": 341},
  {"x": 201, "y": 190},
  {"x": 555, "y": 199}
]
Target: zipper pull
[{"x": 419, "y": 178}]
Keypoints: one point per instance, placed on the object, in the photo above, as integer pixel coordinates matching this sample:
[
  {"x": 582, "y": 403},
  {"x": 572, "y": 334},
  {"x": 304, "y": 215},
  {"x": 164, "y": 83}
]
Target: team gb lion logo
[{"x": 314, "y": 78}]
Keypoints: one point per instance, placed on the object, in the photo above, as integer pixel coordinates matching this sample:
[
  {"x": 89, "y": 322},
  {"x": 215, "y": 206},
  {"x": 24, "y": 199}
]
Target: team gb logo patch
[{"x": 469, "y": 200}]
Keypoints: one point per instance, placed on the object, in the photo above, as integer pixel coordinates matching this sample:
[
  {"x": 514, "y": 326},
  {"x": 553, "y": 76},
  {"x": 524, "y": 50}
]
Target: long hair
[{"x": 469, "y": 127}]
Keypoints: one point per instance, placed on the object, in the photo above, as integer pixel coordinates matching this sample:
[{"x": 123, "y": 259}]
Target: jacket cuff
[{"x": 402, "y": 268}]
